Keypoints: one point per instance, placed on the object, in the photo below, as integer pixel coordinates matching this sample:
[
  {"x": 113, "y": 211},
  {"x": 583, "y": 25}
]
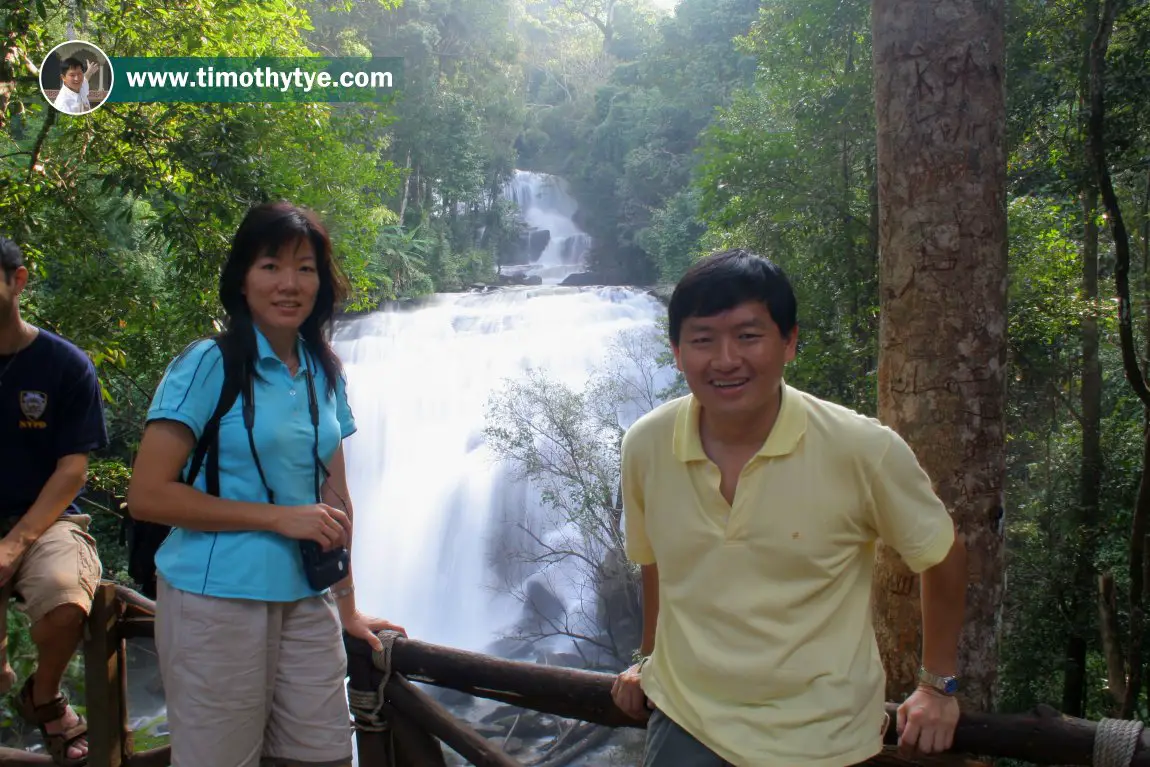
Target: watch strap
[{"x": 947, "y": 685}]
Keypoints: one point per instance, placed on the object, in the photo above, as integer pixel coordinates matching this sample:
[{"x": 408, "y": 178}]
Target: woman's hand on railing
[{"x": 365, "y": 627}]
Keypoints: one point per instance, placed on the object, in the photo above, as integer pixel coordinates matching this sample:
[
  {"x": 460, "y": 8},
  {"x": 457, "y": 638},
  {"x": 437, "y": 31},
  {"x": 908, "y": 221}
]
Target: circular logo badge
[{"x": 76, "y": 77}]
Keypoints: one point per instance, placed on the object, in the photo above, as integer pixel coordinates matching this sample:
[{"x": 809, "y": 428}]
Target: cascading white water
[
  {"x": 431, "y": 499},
  {"x": 545, "y": 204}
]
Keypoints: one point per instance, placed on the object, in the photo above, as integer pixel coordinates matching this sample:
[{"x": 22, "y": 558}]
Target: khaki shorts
[
  {"x": 60, "y": 568},
  {"x": 253, "y": 683}
]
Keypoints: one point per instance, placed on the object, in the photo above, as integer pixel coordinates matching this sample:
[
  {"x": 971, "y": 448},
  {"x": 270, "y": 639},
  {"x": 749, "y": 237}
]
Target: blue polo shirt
[{"x": 249, "y": 565}]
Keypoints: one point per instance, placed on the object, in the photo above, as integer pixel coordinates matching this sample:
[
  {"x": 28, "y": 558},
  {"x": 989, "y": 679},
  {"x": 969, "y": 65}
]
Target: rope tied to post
[
  {"x": 366, "y": 705},
  {"x": 382, "y": 658},
  {"x": 1115, "y": 741}
]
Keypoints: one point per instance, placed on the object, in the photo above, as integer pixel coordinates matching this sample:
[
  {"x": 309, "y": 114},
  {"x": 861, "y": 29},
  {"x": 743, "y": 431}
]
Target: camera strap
[{"x": 249, "y": 413}]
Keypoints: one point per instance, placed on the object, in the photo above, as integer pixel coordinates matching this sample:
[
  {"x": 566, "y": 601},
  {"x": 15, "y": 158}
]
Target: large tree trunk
[{"x": 940, "y": 109}]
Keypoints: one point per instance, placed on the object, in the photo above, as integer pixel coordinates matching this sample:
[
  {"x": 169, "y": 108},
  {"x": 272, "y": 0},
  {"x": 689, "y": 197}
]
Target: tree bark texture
[{"x": 940, "y": 110}]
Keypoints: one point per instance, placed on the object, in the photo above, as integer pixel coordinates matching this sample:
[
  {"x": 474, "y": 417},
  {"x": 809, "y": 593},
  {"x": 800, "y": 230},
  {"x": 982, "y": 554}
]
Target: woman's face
[{"x": 281, "y": 287}]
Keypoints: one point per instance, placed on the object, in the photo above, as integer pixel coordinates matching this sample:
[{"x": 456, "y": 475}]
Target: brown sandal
[{"x": 55, "y": 709}]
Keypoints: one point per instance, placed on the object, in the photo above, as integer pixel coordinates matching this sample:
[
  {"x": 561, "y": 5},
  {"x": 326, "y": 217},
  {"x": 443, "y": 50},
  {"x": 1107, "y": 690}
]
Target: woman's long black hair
[{"x": 265, "y": 229}]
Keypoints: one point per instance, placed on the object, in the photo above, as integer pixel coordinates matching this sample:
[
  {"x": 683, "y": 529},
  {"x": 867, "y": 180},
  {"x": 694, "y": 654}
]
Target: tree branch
[
  {"x": 1065, "y": 403},
  {"x": 1111, "y": 645},
  {"x": 1097, "y": 151},
  {"x": 49, "y": 121}
]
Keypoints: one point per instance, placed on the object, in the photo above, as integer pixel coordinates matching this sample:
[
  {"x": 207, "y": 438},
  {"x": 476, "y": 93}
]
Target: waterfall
[
  {"x": 434, "y": 507},
  {"x": 549, "y": 210}
]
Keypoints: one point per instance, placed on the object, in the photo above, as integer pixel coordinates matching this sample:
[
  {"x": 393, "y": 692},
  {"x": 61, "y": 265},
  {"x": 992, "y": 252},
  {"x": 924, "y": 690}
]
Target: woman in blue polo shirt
[{"x": 247, "y": 632}]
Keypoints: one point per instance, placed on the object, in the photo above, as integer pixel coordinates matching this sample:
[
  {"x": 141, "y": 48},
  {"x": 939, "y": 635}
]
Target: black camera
[{"x": 324, "y": 568}]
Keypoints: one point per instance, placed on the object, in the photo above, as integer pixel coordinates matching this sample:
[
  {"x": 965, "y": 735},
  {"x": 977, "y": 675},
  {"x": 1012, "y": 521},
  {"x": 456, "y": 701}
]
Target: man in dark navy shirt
[{"x": 50, "y": 419}]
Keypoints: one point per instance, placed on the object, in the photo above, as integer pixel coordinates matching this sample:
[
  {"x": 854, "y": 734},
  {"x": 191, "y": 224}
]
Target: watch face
[{"x": 950, "y": 686}]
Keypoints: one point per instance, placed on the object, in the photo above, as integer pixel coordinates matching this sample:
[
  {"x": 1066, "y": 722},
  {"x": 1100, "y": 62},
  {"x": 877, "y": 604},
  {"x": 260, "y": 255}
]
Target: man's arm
[
  {"x": 650, "y": 608},
  {"x": 910, "y": 517},
  {"x": 58, "y": 492},
  {"x": 927, "y": 719},
  {"x": 627, "y": 689},
  {"x": 943, "y": 610}
]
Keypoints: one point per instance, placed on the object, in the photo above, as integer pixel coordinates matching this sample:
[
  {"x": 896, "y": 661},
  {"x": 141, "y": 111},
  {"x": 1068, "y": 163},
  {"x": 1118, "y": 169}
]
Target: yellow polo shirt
[{"x": 765, "y": 650}]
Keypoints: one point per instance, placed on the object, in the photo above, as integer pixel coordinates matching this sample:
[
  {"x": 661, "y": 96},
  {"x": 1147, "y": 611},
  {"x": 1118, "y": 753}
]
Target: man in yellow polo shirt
[{"x": 754, "y": 510}]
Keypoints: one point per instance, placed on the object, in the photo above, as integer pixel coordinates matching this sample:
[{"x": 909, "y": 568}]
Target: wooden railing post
[
  {"x": 105, "y": 681},
  {"x": 402, "y": 742}
]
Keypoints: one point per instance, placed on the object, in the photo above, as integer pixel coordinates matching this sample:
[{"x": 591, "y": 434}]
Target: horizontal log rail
[
  {"x": 416, "y": 723},
  {"x": 1041, "y": 736}
]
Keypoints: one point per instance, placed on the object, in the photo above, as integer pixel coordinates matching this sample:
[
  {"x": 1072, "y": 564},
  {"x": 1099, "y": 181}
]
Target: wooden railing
[{"x": 407, "y": 726}]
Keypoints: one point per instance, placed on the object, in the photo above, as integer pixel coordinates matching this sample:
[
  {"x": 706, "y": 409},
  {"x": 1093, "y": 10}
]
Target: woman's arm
[
  {"x": 156, "y": 494},
  {"x": 336, "y": 494}
]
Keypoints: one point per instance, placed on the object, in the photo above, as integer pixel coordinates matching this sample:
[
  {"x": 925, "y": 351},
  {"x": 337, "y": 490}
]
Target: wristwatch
[{"x": 947, "y": 685}]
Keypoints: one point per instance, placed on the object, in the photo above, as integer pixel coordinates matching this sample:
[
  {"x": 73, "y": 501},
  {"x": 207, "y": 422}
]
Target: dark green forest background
[{"x": 724, "y": 122}]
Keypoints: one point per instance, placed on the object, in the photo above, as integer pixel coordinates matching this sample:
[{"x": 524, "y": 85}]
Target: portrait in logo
[
  {"x": 33, "y": 404},
  {"x": 76, "y": 77}
]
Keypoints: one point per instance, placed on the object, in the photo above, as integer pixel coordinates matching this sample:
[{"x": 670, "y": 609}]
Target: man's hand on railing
[
  {"x": 926, "y": 723},
  {"x": 627, "y": 692}
]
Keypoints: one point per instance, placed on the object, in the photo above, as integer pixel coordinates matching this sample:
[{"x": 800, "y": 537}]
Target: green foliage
[
  {"x": 1049, "y": 178},
  {"x": 452, "y": 136},
  {"x": 672, "y": 239},
  {"x": 789, "y": 173},
  {"x": 622, "y": 126},
  {"x": 1044, "y": 260},
  {"x": 22, "y": 659}
]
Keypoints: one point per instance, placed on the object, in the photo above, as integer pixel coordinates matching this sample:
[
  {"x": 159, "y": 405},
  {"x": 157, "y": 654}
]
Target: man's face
[
  {"x": 74, "y": 78},
  {"x": 11, "y": 285},
  {"x": 733, "y": 361}
]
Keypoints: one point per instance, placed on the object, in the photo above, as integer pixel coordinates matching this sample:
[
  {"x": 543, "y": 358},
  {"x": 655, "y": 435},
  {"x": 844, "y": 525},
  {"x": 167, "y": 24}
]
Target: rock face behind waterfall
[
  {"x": 552, "y": 245},
  {"x": 594, "y": 278}
]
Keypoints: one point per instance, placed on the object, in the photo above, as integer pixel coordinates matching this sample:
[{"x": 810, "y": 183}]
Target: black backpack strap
[
  {"x": 249, "y": 411},
  {"x": 145, "y": 538},
  {"x": 208, "y": 444}
]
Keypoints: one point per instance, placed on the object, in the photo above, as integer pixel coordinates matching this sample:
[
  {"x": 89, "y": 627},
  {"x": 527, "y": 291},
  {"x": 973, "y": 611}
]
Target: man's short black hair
[
  {"x": 11, "y": 258},
  {"x": 725, "y": 279},
  {"x": 71, "y": 62}
]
